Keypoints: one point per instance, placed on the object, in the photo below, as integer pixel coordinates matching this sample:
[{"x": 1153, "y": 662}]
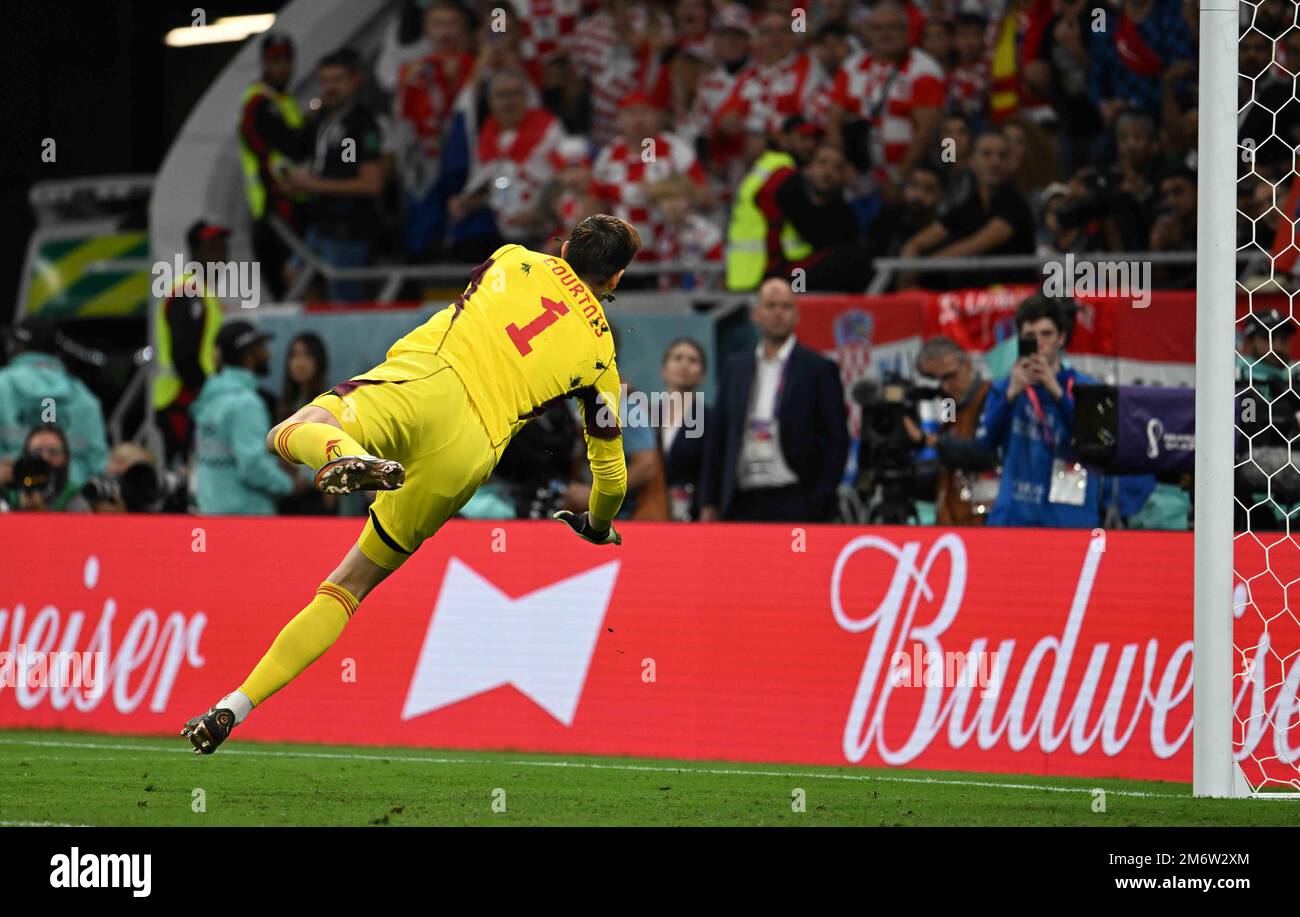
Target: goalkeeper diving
[{"x": 427, "y": 426}]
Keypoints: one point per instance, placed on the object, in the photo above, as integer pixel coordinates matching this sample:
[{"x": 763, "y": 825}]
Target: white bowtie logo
[{"x": 540, "y": 643}]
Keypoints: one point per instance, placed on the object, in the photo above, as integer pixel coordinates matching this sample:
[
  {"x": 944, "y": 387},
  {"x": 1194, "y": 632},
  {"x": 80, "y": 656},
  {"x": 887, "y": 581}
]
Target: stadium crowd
[
  {"x": 766, "y": 146},
  {"x": 761, "y": 139}
]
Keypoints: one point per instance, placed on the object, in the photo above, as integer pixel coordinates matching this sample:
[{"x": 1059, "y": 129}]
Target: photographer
[
  {"x": 1115, "y": 208},
  {"x": 967, "y": 483},
  {"x": 37, "y": 481},
  {"x": 36, "y": 388},
  {"x": 1029, "y": 419},
  {"x": 133, "y": 484}
]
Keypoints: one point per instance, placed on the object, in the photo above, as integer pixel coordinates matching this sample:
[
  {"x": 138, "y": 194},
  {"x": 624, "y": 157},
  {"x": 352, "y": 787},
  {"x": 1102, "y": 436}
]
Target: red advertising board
[{"x": 757, "y": 643}]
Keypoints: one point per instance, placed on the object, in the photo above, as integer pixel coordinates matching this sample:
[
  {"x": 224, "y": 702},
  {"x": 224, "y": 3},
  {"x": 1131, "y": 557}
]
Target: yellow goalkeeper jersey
[{"x": 525, "y": 332}]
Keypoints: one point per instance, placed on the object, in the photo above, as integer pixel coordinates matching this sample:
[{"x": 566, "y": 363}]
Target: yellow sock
[
  {"x": 302, "y": 641},
  {"x": 314, "y": 444}
]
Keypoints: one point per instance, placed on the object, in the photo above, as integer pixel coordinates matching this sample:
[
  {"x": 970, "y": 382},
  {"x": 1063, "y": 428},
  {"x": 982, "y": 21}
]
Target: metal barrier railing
[
  {"x": 393, "y": 276},
  {"x": 391, "y": 279},
  {"x": 454, "y": 274},
  {"x": 887, "y": 268}
]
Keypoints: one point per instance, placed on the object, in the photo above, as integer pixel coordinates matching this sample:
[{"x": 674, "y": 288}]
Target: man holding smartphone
[{"x": 1029, "y": 418}]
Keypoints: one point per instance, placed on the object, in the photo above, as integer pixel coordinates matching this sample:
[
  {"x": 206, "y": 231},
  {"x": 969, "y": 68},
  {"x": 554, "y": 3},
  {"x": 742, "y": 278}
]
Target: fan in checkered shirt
[{"x": 642, "y": 155}]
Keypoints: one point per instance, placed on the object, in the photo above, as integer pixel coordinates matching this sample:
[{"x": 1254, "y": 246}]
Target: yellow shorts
[{"x": 427, "y": 423}]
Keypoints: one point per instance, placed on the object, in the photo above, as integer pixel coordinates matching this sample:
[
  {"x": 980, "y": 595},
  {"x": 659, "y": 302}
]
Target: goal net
[{"x": 1246, "y": 741}]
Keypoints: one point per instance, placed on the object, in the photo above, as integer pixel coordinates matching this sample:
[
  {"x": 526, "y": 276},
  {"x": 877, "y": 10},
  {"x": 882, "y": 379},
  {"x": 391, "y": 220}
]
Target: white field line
[
  {"x": 592, "y": 765},
  {"x": 98, "y": 759},
  {"x": 40, "y": 824}
]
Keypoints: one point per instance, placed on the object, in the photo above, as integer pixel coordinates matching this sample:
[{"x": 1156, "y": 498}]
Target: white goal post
[
  {"x": 1245, "y": 672},
  {"x": 1213, "y": 767}
]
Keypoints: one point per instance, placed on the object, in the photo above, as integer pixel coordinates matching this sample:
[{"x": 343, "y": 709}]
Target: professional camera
[
  {"x": 138, "y": 489},
  {"x": 101, "y": 489},
  {"x": 888, "y": 469},
  {"x": 1136, "y": 429},
  {"x": 1095, "y": 204},
  {"x": 32, "y": 474}
]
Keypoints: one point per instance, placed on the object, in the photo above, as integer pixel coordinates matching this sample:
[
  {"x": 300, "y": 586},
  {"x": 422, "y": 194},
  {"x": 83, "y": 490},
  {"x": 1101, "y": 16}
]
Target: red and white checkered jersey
[
  {"x": 714, "y": 87},
  {"x": 426, "y": 92},
  {"x": 698, "y": 239},
  {"x": 514, "y": 166},
  {"x": 547, "y": 25},
  {"x": 968, "y": 89},
  {"x": 615, "y": 68},
  {"x": 622, "y": 173},
  {"x": 860, "y": 84},
  {"x": 766, "y": 94}
]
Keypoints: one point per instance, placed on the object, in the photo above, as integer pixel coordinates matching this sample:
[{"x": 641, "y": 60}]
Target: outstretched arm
[{"x": 604, "y": 437}]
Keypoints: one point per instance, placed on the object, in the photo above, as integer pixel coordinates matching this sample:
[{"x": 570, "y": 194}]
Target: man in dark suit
[{"x": 778, "y": 437}]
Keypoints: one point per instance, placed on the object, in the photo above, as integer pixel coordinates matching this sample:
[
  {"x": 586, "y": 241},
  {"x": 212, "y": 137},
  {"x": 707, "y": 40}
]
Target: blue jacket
[
  {"x": 1028, "y": 445},
  {"x": 35, "y": 388},
  {"x": 236, "y": 476}
]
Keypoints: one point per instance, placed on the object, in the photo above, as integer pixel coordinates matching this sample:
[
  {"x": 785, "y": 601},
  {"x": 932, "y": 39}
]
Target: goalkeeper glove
[{"x": 581, "y": 525}]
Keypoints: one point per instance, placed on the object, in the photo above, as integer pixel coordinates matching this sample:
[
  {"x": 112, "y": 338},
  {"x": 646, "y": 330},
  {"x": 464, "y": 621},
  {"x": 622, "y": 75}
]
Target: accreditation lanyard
[
  {"x": 761, "y": 433},
  {"x": 1049, "y": 435}
]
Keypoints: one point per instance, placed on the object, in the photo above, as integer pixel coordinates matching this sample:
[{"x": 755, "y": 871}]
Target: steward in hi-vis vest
[
  {"x": 271, "y": 140},
  {"x": 185, "y": 335},
  {"x": 756, "y": 234}
]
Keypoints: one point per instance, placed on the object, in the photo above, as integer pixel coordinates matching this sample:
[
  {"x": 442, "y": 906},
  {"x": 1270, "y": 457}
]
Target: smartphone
[{"x": 1028, "y": 347}]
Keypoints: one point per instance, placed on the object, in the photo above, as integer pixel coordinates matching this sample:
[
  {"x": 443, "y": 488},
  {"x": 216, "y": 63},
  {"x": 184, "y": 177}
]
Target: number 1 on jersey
[{"x": 551, "y": 311}]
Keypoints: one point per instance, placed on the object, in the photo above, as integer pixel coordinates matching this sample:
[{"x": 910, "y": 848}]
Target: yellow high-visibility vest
[
  {"x": 167, "y": 381},
  {"x": 292, "y": 115},
  {"x": 747, "y": 231}
]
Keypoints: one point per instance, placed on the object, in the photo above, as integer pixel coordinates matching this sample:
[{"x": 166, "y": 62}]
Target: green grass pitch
[{"x": 81, "y": 779}]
